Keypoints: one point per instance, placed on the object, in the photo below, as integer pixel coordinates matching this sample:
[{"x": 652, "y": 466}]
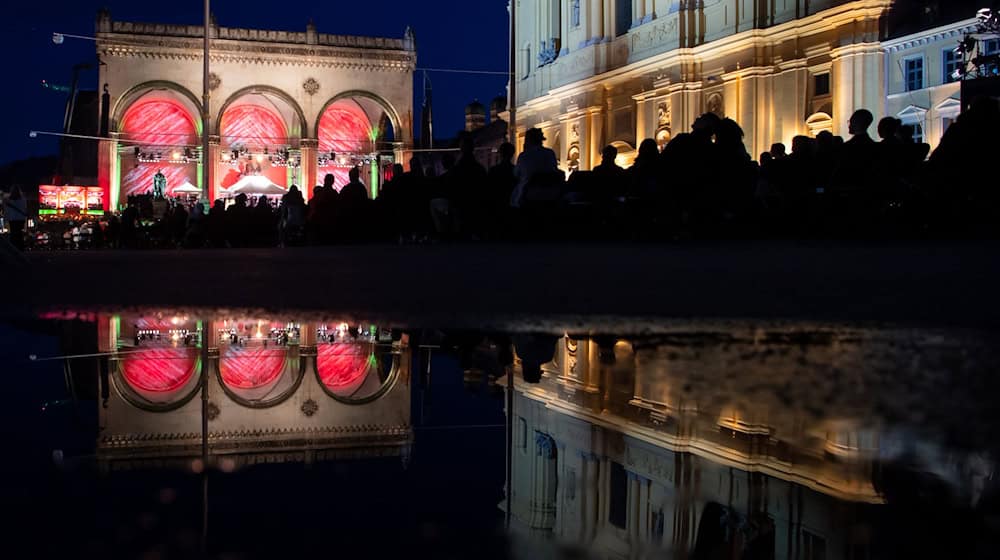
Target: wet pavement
[{"x": 751, "y": 401}]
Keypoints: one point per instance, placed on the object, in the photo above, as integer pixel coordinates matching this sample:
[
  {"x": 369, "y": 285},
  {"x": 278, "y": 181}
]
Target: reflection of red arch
[
  {"x": 251, "y": 368},
  {"x": 343, "y": 368},
  {"x": 160, "y": 370}
]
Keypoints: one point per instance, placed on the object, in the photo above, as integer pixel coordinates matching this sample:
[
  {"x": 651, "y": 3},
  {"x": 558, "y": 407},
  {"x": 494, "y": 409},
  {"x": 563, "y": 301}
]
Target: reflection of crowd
[{"x": 702, "y": 184}]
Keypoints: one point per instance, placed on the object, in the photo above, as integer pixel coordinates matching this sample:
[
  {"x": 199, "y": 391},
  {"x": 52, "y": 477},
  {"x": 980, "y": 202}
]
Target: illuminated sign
[{"x": 70, "y": 199}]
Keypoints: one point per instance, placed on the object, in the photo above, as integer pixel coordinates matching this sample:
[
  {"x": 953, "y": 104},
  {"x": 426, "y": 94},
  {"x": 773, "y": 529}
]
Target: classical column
[
  {"x": 564, "y": 16},
  {"x": 589, "y": 495},
  {"x": 212, "y": 160},
  {"x": 108, "y": 176},
  {"x": 607, "y": 22},
  {"x": 309, "y": 150},
  {"x": 596, "y": 21},
  {"x": 595, "y": 138},
  {"x": 638, "y": 11},
  {"x": 650, "y": 11},
  {"x": 632, "y": 508}
]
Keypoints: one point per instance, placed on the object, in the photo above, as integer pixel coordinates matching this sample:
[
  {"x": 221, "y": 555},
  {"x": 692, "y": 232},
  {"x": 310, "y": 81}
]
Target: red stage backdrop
[
  {"x": 251, "y": 368},
  {"x": 160, "y": 371},
  {"x": 163, "y": 125},
  {"x": 343, "y": 367},
  {"x": 343, "y": 129},
  {"x": 254, "y": 127}
]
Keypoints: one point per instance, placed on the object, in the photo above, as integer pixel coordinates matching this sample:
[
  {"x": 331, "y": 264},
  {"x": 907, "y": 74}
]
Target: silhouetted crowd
[{"x": 703, "y": 184}]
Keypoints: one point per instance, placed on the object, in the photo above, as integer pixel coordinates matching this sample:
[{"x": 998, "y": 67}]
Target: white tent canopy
[
  {"x": 254, "y": 185},
  {"x": 186, "y": 188}
]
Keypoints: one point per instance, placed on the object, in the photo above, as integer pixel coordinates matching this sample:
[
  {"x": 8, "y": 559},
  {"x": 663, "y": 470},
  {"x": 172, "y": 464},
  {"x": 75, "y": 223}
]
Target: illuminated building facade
[
  {"x": 285, "y": 107},
  {"x": 592, "y": 73},
  {"x": 922, "y": 87},
  {"x": 276, "y": 391}
]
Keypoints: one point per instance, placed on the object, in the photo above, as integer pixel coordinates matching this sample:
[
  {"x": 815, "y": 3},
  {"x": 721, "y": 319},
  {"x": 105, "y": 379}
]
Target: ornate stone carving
[
  {"x": 574, "y": 133},
  {"x": 663, "y": 114},
  {"x": 214, "y": 81},
  {"x": 309, "y": 408},
  {"x": 714, "y": 104},
  {"x": 213, "y": 411},
  {"x": 311, "y": 86}
]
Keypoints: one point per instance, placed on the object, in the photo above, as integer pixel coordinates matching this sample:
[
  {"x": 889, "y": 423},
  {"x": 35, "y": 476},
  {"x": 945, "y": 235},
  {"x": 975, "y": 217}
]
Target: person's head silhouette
[
  {"x": 534, "y": 137},
  {"x": 860, "y": 122},
  {"x": 329, "y": 180},
  {"x": 888, "y": 128},
  {"x": 506, "y": 151},
  {"x": 608, "y": 155},
  {"x": 354, "y": 174}
]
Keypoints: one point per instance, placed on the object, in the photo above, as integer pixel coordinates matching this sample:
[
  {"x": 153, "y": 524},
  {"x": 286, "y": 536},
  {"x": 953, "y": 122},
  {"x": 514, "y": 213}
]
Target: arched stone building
[{"x": 288, "y": 106}]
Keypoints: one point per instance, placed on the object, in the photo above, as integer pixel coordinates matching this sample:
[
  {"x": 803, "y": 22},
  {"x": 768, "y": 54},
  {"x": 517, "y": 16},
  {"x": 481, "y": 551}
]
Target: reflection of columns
[
  {"x": 213, "y": 162},
  {"x": 607, "y": 21},
  {"x": 589, "y": 496},
  {"x": 564, "y": 16},
  {"x": 309, "y": 151},
  {"x": 596, "y": 22},
  {"x": 108, "y": 174},
  {"x": 632, "y": 509}
]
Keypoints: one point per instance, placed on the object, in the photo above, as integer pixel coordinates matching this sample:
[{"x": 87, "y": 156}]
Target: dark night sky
[{"x": 450, "y": 34}]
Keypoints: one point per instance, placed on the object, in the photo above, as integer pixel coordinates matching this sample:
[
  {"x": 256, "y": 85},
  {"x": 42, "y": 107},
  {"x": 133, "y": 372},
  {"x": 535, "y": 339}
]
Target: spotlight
[
  {"x": 33, "y": 134},
  {"x": 58, "y": 38},
  {"x": 260, "y": 158}
]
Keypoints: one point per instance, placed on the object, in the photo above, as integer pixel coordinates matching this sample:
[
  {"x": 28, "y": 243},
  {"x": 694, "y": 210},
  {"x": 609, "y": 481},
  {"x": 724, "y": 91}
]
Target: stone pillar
[
  {"x": 595, "y": 138},
  {"x": 564, "y": 15},
  {"x": 638, "y": 11},
  {"x": 309, "y": 150},
  {"x": 608, "y": 21},
  {"x": 214, "y": 162},
  {"x": 596, "y": 22},
  {"x": 650, "y": 11},
  {"x": 590, "y": 496},
  {"x": 858, "y": 83},
  {"x": 107, "y": 172},
  {"x": 632, "y": 509},
  {"x": 642, "y": 128}
]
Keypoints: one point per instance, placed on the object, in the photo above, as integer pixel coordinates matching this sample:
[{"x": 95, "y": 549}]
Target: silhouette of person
[{"x": 536, "y": 166}]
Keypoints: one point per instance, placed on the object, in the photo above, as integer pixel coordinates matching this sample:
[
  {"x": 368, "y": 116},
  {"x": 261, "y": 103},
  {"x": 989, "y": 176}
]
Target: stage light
[
  {"x": 58, "y": 38},
  {"x": 33, "y": 134},
  {"x": 176, "y": 156},
  {"x": 260, "y": 158}
]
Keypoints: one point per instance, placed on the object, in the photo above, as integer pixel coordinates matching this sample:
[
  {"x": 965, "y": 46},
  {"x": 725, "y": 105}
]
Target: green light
[{"x": 374, "y": 174}]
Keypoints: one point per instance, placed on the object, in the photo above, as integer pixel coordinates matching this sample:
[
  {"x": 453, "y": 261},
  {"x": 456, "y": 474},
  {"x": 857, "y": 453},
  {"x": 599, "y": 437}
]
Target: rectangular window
[
  {"x": 623, "y": 17},
  {"x": 913, "y": 73},
  {"x": 822, "y": 84},
  {"x": 991, "y": 46},
  {"x": 574, "y": 17},
  {"x": 813, "y": 546},
  {"x": 952, "y": 62},
  {"x": 618, "y": 508}
]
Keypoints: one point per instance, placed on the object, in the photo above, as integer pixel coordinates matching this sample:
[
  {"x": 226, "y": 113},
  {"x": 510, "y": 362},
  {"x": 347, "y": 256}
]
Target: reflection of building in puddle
[
  {"x": 630, "y": 449},
  {"x": 276, "y": 392}
]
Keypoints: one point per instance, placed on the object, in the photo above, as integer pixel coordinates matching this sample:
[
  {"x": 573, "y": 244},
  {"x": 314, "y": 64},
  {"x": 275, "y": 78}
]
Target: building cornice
[
  {"x": 954, "y": 30},
  {"x": 849, "y": 14},
  {"x": 257, "y": 53}
]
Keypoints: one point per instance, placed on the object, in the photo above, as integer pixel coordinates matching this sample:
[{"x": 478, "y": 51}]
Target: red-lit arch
[
  {"x": 343, "y": 368},
  {"x": 253, "y": 125},
  {"x": 252, "y": 368},
  {"x": 158, "y": 123},
  {"x": 343, "y": 128},
  {"x": 159, "y": 378}
]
